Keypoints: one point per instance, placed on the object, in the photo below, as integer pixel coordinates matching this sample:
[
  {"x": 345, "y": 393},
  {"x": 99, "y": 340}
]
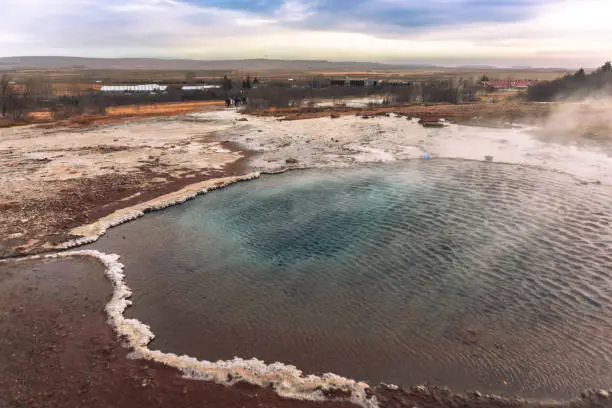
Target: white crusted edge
[
  {"x": 286, "y": 380},
  {"x": 92, "y": 232}
]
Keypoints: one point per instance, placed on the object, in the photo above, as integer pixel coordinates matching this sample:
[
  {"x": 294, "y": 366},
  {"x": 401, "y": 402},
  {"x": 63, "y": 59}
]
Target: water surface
[{"x": 473, "y": 275}]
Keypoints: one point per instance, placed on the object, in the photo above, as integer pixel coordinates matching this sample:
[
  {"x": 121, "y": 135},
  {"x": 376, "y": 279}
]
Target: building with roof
[
  {"x": 352, "y": 83},
  {"x": 193, "y": 88},
  {"x": 146, "y": 88}
]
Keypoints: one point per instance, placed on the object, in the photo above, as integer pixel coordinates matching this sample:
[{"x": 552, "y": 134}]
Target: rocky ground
[
  {"x": 53, "y": 180},
  {"x": 349, "y": 140}
]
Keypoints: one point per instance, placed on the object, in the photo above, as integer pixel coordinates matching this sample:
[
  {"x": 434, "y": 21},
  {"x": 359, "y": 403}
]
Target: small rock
[
  {"x": 445, "y": 391},
  {"x": 334, "y": 116},
  {"x": 291, "y": 160},
  {"x": 603, "y": 394},
  {"x": 489, "y": 158},
  {"x": 419, "y": 388},
  {"x": 477, "y": 394}
]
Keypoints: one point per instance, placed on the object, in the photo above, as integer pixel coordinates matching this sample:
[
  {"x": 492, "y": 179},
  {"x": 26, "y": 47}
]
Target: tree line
[
  {"x": 16, "y": 100},
  {"x": 20, "y": 98},
  {"x": 281, "y": 95},
  {"x": 579, "y": 84}
]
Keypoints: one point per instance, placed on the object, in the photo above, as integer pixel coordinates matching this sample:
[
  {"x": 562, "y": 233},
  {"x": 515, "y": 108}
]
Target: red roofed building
[
  {"x": 497, "y": 85},
  {"x": 520, "y": 84}
]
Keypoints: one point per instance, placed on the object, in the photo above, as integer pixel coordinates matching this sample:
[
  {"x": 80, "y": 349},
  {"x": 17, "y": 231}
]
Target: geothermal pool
[{"x": 468, "y": 274}]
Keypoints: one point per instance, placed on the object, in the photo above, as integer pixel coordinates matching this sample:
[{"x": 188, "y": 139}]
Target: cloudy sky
[{"x": 568, "y": 33}]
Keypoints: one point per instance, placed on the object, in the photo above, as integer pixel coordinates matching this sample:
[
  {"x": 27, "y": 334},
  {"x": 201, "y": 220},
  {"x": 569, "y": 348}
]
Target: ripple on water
[{"x": 474, "y": 275}]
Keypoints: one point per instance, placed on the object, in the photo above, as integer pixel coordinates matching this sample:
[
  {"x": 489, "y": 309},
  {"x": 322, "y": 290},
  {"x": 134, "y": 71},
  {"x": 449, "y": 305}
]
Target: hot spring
[{"x": 469, "y": 274}]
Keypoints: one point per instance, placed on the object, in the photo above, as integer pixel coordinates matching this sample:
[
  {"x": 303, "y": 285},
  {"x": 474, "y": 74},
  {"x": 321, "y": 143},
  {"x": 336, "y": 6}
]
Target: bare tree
[
  {"x": 227, "y": 84},
  {"x": 4, "y": 95},
  {"x": 38, "y": 88},
  {"x": 190, "y": 77},
  {"x": 12, "y": 100}
]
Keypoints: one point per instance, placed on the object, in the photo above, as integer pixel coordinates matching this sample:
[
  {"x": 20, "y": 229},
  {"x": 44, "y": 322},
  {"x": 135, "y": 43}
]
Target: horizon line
[{"x": 314, "y": 60}]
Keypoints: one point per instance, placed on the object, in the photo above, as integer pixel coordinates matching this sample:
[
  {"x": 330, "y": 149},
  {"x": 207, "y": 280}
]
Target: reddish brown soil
[
  {"x": 118, "y": 114},
  {"x": 56, "y": 349},
  {"x": 464, "y": 113}
]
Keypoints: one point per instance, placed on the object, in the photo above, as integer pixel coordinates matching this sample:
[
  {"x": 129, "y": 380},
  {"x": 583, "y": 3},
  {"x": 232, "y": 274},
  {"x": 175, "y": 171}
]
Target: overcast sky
[{"x": 567, "y": 33}]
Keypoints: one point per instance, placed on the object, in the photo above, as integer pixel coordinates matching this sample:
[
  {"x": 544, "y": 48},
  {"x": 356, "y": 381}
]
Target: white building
[
  {"x": 147, "y": 88},
  {"x": 199, "y": 87}
]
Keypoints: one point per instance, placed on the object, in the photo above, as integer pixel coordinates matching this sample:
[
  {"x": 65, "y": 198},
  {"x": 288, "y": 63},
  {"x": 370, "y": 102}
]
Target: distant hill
[
  {"x": 477, "y": 67},
  {"x": 33, "y": 62}
]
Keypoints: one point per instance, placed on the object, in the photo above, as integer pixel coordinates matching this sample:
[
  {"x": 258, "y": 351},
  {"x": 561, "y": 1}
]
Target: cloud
[
  {"x": 507, "y": 32},
  {"x": 392, "y": 13}
]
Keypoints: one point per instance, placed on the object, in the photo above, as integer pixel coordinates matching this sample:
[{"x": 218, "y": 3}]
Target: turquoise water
[{"x": 473, "y": 275}]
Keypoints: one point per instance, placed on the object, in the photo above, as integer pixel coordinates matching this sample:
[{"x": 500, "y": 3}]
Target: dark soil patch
[{"x": 56, "y": 349}]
